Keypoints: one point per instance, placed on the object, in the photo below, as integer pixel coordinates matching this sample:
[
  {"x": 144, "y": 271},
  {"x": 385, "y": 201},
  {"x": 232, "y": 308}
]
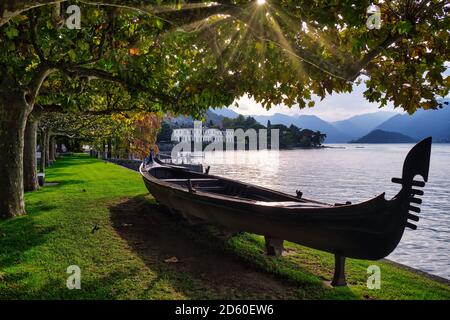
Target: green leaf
[
  {"x": 72, "y": 55},
  {"x": 159, "y": 24},
  {"x": 12, "y": 32},
  {"x": 259, "y": 46},
  {"x": 403, "y": 27},
  {"x": 83, "y": 46}
]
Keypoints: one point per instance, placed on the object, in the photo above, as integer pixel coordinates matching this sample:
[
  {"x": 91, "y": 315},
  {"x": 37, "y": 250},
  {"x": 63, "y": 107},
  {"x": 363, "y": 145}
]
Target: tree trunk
[
  {"x": 109, "y": 155},
  {"x": 13, "y": 116},
  {"x": 104, "y": 154},
  {"x": 30, "y": 180},
  {"x": 15, "y": 107},
  {"x": 47, "y": 149},
  {"x": 114, "y": 148},
  {"x": 43, "y": 151},
  {"x": 52, "y": 149}
]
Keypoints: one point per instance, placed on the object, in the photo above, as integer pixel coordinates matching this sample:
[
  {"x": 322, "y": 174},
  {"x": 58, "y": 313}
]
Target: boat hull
[{"x": 369, "y": 230}]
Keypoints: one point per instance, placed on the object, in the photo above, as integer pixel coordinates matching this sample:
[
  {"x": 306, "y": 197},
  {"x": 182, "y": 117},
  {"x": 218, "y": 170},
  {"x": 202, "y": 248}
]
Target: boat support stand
[
  {"x": 339, "y": 271},
  {"x": 274, "y": 247}
]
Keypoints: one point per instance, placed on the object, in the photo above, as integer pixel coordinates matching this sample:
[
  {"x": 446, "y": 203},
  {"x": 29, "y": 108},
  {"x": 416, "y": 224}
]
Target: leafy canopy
[{"x": 280, "y": 52}]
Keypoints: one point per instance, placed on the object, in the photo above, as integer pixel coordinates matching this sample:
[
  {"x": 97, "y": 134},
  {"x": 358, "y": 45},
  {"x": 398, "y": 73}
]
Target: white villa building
[{"x": 202, "y": 135}]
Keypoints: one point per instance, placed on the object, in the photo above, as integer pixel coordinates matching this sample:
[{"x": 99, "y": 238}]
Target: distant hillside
[
  {"x": 380, "y": 136},
  {"x": 225, "y": 112},
  {"x": 213, "y": 117},
  {"x": 307, "y": 122},
  {"x": 360, "y": 125},
  {"x": 315, "y": 123},
  {"x": 422, "y": 124},
  {"x": 277, "y": 118},
  {"x": 183, "y": 121}
]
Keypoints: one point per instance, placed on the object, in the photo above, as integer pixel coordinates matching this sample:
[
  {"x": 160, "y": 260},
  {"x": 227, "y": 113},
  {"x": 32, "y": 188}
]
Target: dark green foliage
[
  {"x": 165, "y": 135},
  {"x": 241, "y": 122},
  {"x": 294, "y": 137}
]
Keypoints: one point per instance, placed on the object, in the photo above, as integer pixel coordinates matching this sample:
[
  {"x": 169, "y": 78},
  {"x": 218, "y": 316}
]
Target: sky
[{"x": 333, "y": 108}]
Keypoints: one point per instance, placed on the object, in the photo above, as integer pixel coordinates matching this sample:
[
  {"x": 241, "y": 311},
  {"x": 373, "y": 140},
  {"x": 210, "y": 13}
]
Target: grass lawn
[{"x": 138, "y": 252}]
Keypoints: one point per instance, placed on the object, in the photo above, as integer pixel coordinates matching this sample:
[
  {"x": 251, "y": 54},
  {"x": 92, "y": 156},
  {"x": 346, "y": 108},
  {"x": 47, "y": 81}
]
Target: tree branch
[
  {"x": 77, "y": 71},
  {"x": 353, "y": 73},
  {"x": 10, "y": 9},
  {"x": 42, "y": 72},
  {"x": 33, "y": 37},
  {"x": 56, "y": 108}
]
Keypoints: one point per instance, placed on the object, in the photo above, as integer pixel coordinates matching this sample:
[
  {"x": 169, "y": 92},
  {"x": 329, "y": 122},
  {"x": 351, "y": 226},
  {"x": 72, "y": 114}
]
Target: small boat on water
[{"x": 368, "y": 230}]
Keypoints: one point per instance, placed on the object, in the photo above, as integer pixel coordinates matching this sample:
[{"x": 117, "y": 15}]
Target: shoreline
[
  {"x": 166, "y": 147},
  {"x": 418, "y": 272}
]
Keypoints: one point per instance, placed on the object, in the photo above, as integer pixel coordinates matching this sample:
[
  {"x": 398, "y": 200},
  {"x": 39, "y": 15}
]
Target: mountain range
[
  {"x": 423, "y": 123},
  {"x": 337, "y": 132},
  {"x": 358, "y": 126},
  {"x": 307, "y": 122}
]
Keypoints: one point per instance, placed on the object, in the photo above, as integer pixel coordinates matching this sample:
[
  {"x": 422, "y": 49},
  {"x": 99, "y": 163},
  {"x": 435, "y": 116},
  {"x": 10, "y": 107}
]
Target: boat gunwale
[{"x": 239, "y": 200}]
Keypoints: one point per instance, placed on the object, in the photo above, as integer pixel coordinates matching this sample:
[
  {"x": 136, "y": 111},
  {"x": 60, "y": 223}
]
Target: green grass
[{"x": 36, "y": 249}]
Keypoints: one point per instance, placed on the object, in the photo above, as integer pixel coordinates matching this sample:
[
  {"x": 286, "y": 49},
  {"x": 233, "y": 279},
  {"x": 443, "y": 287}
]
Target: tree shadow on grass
[
  {"x": 19, "y": 235},
  {"x": 53, "y": 286},
  {"x": 202, "y": 265},
  {"x": 40, "y": 207}
]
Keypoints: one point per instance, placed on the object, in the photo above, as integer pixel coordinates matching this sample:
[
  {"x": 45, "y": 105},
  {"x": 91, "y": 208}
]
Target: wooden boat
[{"x": 367, "y": 230}]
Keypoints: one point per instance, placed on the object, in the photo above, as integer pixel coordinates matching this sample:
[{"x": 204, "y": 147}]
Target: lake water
[{"x": 355, "y": 173}]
